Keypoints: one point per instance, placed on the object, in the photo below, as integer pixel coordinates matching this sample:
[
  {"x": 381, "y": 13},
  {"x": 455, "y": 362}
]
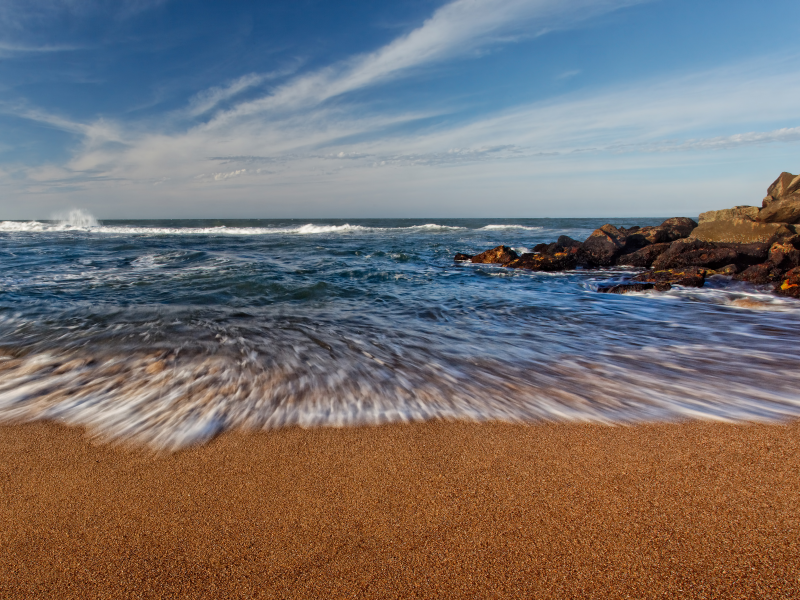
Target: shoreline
[{"x": 437, "y": 509}]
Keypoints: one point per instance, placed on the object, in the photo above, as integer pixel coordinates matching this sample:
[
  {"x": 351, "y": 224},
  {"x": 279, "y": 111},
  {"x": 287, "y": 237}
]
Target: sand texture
[{"x": 435, "y": 510}]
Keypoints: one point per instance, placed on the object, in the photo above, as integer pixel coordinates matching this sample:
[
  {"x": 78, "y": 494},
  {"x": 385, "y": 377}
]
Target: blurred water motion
[{"x": 166, "y": 333}]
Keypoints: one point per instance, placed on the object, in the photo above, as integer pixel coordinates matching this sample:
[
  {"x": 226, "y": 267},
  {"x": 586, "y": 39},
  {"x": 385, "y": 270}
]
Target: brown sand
[{"x": 445, "y": 510}]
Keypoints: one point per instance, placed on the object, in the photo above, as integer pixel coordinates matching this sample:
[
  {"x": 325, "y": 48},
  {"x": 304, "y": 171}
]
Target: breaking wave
[{"x": 79, "y": 221}]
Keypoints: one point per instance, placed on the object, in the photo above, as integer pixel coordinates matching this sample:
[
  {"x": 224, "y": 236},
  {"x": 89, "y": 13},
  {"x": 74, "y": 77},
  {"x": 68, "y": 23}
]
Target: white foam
[
  {"x": 511, "y": 226},
  {"x": 82, "y": 222}
]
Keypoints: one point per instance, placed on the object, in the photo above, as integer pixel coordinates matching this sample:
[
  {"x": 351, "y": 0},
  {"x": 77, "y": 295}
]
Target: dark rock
[
  {"x": 643, "y": 257},
  {"x": 669, "y": 231},
  {"x": 560, "y": 261},
  {"x": 629, "y": 230},
  {"x": 680, "y": 227},
  {"x": 462, "y": 257},
  {"x": 500, "y": 255},
  {"x": 564, "y": 241},
  {"x": 629, "y": 288},
  {"x": 563, "y": 244},
  {"x": 790, "y": 286},
  {"x": 740, "y": 231},
  {"x": 692, "y": 252},
  {"x": 602, "y": 247},
  {"x": 688, "y": 277},
  {"x": 727, "y": 270},
  {"x": 763, "y": 273},
  {"x": 785, "y": 254}
]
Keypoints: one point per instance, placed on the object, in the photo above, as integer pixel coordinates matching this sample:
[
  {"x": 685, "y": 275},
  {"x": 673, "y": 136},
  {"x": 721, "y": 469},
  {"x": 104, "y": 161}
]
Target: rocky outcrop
[
  {"x": 462, "y": 257},
  {"x": 643, "y": 257},
  {"x": 558, "y": 261},
  {"x": 695, "y": 253},
  {"x": 740, "y": 231},
  {"x": 611, "y": 245},
  {"x": 782, "y": 204},
  {"x": 602, "y": 248},
  {"x": 748, "y": 213},
  {"x": 760, "y": 246},
  {"x": 785, "y": 185},
  {"x": 500, "y": 255}
]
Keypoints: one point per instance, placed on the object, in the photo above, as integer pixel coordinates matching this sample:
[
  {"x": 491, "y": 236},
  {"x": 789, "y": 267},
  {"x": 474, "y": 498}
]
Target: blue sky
[{"x": 507, "y": 108}]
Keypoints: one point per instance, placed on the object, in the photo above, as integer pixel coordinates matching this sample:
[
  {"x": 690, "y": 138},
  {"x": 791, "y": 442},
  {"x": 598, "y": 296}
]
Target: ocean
[{"x": 167, "y": 333}]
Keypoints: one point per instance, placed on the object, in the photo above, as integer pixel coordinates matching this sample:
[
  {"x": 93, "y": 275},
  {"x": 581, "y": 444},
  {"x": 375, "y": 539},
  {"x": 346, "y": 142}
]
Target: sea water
[{"x": 167, "y": 333}]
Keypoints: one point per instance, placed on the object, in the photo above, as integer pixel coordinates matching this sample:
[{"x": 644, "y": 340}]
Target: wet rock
[
  {"x": 748, "y": 213},
  {"x": 630, "y": 288},
  {"x": 693, "y": 252},
  {"x": 763, "y": 273},
  {"x": 559, "y": 261},
  {"x": 688, "y": 277},
  {"x": 727, "y": 270},
  {"x": 462, "y": 257},
  {"x": 785, "y": 254},
  {"x": 563, "y": 244},
  {"x": 500, "y": 255},
  {"x": 602, "y": 247},
  {"x": 790, "y": 285},
  {"x": 643, "y": 257},
  {"x": 740, "y": 231}
]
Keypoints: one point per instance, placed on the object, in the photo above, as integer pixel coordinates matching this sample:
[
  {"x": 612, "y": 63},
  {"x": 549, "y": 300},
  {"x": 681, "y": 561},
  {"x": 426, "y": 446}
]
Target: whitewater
[{"x": 167, "y": 333}]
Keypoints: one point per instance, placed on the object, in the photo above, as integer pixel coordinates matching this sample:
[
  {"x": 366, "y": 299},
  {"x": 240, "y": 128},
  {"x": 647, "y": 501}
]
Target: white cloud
[
  {"x": 569, "y": 74},
  {"x": 317, "y": 150},
  {"x": 456, "y": 29}
]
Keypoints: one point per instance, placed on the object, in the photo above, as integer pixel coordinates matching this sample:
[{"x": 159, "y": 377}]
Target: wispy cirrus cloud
[
  {"x": 309, "y": 141},
  {"x": 457, "y": 29}
]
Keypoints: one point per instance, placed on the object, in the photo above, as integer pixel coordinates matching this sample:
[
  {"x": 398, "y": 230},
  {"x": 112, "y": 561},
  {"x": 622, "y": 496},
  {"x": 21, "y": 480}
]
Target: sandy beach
[{"x": 449, "y": 510}]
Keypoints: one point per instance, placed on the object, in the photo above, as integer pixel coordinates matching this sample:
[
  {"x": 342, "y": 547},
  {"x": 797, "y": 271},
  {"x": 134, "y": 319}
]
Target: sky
[{"x": 412, "y": 108}]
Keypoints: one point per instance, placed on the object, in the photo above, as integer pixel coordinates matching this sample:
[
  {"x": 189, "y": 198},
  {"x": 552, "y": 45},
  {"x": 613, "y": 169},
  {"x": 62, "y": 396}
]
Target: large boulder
[
  {"x": 740, "y": 231},
  {"x": 669, "y": 231},
  {"x": 784, "y": 185},
  {"x": 643, "y": 257},
  {"x": 602, "y": 247},
  {"x": 558, "y": 261},
  {"x": 679, "y": 227},
  {"x": 500, "y": 255},
  {"x": 564, "y": 243},
  {"x": 785, "y": 254},
  {"x": 691, "y": 252},
  {"x": 748, "y": 213},
  {"x": 782, "y": 204},
  {"x": 783, "y": 210},
  {"x": 763, "y": 273}
]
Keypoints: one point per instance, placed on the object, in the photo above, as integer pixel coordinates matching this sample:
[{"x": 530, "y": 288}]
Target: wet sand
[{"x": 435, "y": 510}]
